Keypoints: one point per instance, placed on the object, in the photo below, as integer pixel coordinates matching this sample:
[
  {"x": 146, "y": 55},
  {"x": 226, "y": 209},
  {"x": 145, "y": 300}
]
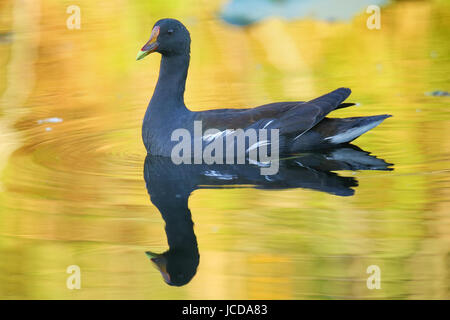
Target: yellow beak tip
[{"x": 141, "y": 55}]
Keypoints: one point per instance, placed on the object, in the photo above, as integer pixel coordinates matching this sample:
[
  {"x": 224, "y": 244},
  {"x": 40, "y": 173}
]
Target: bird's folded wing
[
  {"x": 291, "y": 118},
  {"x": 299, "y": 120}
]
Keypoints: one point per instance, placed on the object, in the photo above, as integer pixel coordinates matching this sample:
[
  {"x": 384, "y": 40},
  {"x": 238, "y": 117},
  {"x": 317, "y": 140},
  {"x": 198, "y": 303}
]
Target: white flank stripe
[
  {"x": 268, "y": 123},
  {"x": 218, "y": 175},
  {"x": 211, "y": 137},
  {"x": 259, "y": 164},
  {"x": 258, "y": 144}
]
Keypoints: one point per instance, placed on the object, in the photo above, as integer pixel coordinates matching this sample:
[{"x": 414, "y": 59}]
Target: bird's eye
[{"x": 170, "y": 31}]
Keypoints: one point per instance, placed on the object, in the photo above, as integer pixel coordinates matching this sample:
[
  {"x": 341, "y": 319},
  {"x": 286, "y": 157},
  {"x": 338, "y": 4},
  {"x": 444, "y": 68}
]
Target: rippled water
[{"x": 73, "y": 189}]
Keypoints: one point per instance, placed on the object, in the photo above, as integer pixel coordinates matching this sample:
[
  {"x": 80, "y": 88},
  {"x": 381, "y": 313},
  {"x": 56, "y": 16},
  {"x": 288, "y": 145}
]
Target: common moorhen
[{"x": 302, "y": 125}]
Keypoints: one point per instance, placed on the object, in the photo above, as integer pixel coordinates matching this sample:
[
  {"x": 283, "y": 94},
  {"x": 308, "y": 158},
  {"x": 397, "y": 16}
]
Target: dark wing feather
[
  {"x": 345, "y": 105},
  {"x": 222, "y": 119},
  {"x": 292, "y": 118},
  {"x": 299, "y": 120}
]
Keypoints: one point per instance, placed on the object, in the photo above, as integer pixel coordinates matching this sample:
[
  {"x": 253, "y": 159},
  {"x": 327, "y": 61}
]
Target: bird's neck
[
  {"x": 179, "y": 224},
  {"x": 180, "y": 232},
  {"x": 169, "y": 91}
]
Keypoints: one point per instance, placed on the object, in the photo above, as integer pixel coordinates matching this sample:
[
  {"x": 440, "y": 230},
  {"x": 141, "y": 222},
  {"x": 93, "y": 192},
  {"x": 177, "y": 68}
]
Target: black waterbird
[{"x": 302, "y": 126}]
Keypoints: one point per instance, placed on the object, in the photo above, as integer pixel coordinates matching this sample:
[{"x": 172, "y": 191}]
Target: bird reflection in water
[{"x": 170, "y": 186}]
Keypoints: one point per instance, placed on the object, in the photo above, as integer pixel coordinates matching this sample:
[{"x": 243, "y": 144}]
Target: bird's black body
[{"x": 302, "y": 125}]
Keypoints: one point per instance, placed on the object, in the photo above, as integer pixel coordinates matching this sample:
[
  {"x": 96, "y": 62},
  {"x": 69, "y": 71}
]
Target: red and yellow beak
[{"x": 150, "y": 46}]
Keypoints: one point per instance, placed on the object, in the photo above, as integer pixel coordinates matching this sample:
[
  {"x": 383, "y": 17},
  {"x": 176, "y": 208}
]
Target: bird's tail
[{"x": 348, "y": 129}]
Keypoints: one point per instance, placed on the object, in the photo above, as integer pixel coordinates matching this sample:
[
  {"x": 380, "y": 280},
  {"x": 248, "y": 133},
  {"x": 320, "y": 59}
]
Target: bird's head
[
  {"x": 177, "y": 268},
  {"x": 168, "y": 37}
]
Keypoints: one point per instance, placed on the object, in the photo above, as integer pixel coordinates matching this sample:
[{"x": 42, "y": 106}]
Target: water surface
[{"x": 73, "y": 188}]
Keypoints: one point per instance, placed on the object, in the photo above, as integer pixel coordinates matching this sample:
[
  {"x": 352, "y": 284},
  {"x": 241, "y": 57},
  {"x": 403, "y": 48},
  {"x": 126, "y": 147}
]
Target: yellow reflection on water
[{"x": 72, "y": 192}]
